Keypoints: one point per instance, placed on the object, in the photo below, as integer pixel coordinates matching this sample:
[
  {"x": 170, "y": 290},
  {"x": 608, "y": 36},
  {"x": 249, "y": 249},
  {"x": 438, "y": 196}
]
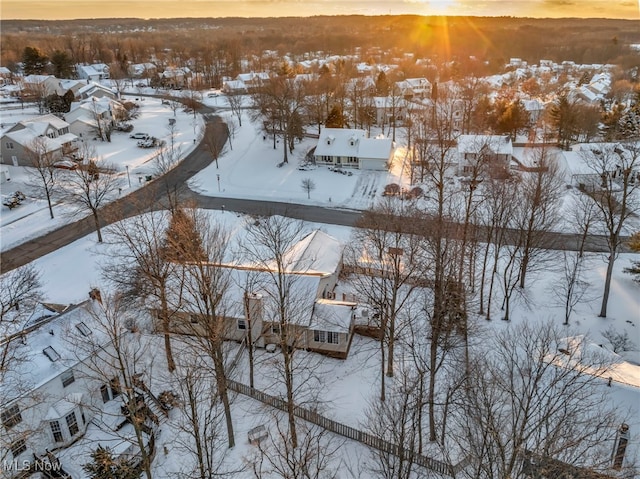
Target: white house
[
  {"x": 138, "y": 70},
  {"x": 95, "y": 72},
  {"x": 95, "y": 90},
  {"x": 350, "y": 148},
  {"x": 84, "y": 115},
  {"x": 494, "y": 151},
  {"x": 64, "y": 392},
  {"x": 418, "y": 88}
]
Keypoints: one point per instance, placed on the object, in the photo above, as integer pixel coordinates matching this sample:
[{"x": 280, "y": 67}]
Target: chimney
[{"x": 94, "y": 294}]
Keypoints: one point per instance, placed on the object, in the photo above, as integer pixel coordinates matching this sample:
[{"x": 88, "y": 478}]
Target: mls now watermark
[{"x": 39, "y": 466}]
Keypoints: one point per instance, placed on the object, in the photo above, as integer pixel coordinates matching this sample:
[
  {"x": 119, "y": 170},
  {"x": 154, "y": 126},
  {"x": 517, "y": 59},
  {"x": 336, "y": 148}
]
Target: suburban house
[
  {"x": 350, "y": 148},
  {"x": 95, "y": 90},
  {"x": 84, "y": 115},
  {"x": 245, "y": 82},
  {"x": 317, "y": 321},
  {"x": 40, "y": 86},
  {"x": 389, "y": 110},
  {"x": 414, "y": 88},
  {"x": 142, "y": 70},
  {"x": 17, "y": 143},
  {"x": 95, "y": 72},
  {"x": 55, "y": 398},
  {"x": 494, "y": 151},
  {"x": 175, "y": 77}
]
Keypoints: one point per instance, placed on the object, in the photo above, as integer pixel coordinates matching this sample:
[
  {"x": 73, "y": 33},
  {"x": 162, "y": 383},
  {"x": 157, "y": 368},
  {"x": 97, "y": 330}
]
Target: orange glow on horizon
[{"x": 72, "y": 9}]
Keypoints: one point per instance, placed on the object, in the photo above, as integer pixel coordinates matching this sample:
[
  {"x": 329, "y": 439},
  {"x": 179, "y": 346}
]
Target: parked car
[
  {"x": 139, "y": 136},
  {"x": 127, "y": 127},
  {"x": 148, "y": 143}
]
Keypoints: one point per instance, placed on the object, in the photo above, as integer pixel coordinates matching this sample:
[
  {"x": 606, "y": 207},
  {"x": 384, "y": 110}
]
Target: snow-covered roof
[
  {"x": 317, "y": 252},
  {"x": 40, "y": 124},
  {"x": 334, "y": 316},
  {"x": 46, "y": 349},
  {"x": 377, "y": 148},
  {"x": 92, "y": 87},
  {"x": 352, "y": 143},
  {"x": 498, "y": 144},
  {"x": 26, "y": 136}
]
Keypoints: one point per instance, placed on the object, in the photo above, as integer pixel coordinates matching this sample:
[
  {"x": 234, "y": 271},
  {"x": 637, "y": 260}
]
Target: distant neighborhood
[{"x": 468, "y": 186}]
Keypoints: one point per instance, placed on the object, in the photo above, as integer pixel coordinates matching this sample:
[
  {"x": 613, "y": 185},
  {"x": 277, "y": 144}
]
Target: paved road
[{"x": 156, "y": 194}]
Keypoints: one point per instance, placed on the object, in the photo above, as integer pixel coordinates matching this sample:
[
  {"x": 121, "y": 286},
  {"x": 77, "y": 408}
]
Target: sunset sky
[{"x": 67, "y": 9}]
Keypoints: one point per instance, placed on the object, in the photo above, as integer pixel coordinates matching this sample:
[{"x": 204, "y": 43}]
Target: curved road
[{"x": 155, "y": 195}]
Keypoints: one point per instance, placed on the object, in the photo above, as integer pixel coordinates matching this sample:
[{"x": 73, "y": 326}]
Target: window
[
  {"x": 11, "y": 416},
  {"x": 193, "y": 318},
  {"x": 18, "y": 447},
  {"x": 51, "y": 353},
  {"x": 104, "y": 391},
  {"x": 10, "y": 145},
  {"x": 72, "y": 423},
  {"x": 83, "y": 328},
  {"x": 57, "y": 431},
  {"x": 326, "y": 337},
  {"x": 242, "y": 324},
  {"x": 67, "y": 378},
  {"x": 275, "y": 328}
]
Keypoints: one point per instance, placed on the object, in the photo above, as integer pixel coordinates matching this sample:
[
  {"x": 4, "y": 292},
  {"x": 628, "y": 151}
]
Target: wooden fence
[{"x": 349, "y": 432}]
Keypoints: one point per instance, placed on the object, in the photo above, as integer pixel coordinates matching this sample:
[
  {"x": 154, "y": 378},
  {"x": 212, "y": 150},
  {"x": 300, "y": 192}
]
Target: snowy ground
[
  {"x": 31, "y": 219},
  {"x": 348, "y": 387},
  {"x": 250, "y": 171}
]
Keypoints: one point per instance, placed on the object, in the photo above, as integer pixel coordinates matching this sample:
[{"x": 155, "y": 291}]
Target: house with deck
[
  {"x": 249, "y": 304},
  {"x": 64, "y": 397}
]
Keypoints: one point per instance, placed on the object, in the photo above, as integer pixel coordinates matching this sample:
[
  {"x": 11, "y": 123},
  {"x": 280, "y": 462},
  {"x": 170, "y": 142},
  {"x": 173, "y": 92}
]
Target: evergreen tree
[
  {"x": 34, "y": 61},
  {"x": 105, "y": 466},
  {"x": 382, "y": 84},
  {"x": 335, "y": 119},
  {"x": 62, "y": 64}
]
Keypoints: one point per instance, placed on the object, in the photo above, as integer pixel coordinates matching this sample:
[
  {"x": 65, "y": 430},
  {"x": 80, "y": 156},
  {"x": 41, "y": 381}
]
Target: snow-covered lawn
[
  {"x": 132, "y": 164},
  {"x": 346, "y": 388}
]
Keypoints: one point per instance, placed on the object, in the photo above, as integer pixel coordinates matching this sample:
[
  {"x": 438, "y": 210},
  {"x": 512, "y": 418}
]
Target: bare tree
[
  {"x": 535, "y": 394},
  {"x": 541, "y": 193},
  {"x": 201, "y": 416},
  {"x": 20, "y": 290},
  {"x": 45, "y": 174},
  {"x": 199, "y": 247},
  {"x": 617, "y": 168},
  {"x": 312, "y": 458},
  {"x": 385, "y": 255},
  {"x": 235, "y": 101},
  {"x": 279, "y": 103},
  {"x": 215, "y": 141},
  {"x": 142, "y": 269},
  {"x": 308, "y": 185},
  {"x": 116, "y": 353},
  {"x": 268, "y": 244},
  {"x": 88, "y": 188}
]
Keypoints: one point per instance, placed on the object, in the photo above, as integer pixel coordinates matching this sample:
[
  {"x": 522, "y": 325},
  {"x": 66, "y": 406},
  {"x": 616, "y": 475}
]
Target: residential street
[{"x": 156, "y": 195}]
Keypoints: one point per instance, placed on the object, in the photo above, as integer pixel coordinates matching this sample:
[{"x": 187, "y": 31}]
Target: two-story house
[
  {"x": 492, "y": 152},
  {"x": 18, "y": 143}
]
